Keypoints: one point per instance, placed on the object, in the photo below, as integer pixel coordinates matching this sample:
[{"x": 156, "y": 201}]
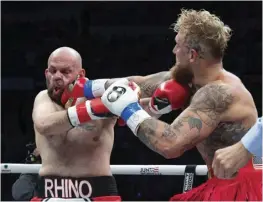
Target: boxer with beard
[
  {"x": 74, "y": 132},
  {"x": 75, "y": 159},
  {"x": 220, "y": 112}
]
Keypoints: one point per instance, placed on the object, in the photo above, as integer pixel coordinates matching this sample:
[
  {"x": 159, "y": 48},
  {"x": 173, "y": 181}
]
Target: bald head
[
  {"x": 64, "y": 65},
  {"x": 67, "y": 56}
]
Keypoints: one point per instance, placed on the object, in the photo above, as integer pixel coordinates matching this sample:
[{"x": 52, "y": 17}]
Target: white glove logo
[{"x": 115, "y": 93}]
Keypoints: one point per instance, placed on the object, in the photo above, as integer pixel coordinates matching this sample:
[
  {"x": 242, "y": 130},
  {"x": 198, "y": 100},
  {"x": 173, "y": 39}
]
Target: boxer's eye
[
  {"x": 66, "y": 72},
  {"x": 52, "y": 71}
]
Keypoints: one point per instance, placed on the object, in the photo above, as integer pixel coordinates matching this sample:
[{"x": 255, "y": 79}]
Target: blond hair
[{"x": 204, "y": 32}]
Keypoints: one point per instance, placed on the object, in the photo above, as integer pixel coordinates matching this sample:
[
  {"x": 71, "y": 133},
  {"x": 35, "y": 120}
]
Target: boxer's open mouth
[{"x": 57, "y": 90}]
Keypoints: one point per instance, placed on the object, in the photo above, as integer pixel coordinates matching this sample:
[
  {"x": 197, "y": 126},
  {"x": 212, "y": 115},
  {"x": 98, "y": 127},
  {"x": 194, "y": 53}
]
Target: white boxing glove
[{"x": 121, "y": 98}]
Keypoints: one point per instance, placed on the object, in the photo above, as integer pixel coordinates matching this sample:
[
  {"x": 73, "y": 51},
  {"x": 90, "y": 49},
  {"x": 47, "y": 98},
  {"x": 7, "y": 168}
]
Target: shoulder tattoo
[{"x": 211, "y": 101}]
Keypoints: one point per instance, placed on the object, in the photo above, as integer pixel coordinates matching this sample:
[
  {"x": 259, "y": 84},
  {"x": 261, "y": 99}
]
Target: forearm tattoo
[
  {"x": 156, "y": 134},
  {"x": 152, "y": 82},
  {"x": 206, "y": 108}
]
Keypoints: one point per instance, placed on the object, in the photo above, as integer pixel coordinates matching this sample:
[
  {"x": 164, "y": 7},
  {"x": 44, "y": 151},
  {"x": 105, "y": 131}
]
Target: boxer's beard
[
  {"x": 182, "y": 74},
  {"x": 55, "y": 98}
]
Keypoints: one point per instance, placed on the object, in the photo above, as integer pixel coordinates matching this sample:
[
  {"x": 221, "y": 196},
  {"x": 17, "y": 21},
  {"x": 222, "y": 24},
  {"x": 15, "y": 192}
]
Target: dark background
[{"x": 115, "y": 39}]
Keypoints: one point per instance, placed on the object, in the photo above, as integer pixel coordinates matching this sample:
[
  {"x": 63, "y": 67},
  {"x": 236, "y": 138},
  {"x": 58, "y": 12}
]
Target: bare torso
[
  {"x": 238, "y": 119},
  {"x": 80, "y": 152}
]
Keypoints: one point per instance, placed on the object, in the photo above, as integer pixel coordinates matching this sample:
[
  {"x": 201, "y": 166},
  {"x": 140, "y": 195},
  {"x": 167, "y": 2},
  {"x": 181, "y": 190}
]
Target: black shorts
[{"x": 91, "y": 188}]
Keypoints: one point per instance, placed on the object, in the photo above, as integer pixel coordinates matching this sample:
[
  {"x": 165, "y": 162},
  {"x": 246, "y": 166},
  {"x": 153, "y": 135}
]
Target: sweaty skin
[
  {"x": 220, "y": 111},
  {"x": 81, "y": 151},
  {"x": 233, "y": 102},
  {"x": 219, "y": 115},
  {"x": 67, "y": 151},
  {"x": 77, "y": 152},
  {"x": 224, "y": 109}
]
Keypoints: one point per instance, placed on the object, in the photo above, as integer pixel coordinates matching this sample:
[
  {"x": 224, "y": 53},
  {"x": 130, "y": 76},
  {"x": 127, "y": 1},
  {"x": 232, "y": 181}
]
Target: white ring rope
[{"x": 116, "y": 169}]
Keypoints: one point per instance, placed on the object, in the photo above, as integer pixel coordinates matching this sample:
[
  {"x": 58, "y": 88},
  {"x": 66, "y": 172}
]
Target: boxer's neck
[{"x": 207, "y": 73}]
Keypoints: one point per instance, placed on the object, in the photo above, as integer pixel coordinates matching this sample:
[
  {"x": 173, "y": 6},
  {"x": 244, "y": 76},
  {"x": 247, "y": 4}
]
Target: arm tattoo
[
  {"x": 195, "y": 123},
  {"x": 154, "y": 134},
  {"x": 192, "y": 123},
  {"x": 207, "y": 106},
  {"x": 151, "y": 82},
  {"x": 145, "y": 134},
  {"x": 87, "y": 127},
  {"x": 210, "y": 102},
  {"x": 194, "y": 126},
  {"x": 168, "y": 131},
  {"x": 148, "y": 84}
]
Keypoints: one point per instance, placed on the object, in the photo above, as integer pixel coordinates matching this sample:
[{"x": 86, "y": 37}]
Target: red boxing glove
[
  {"x": 169, "y": 96},
  {"x": 87, "y": 111},
  {"x": 73, "y": 91}
]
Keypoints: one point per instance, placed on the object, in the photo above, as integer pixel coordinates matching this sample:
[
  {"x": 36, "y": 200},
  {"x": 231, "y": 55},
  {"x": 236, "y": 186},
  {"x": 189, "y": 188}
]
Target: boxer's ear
[
  {"x": 82, "y": 73},
  {"x": 193, "y": 55},
  {"x": 46, "y": 71}
]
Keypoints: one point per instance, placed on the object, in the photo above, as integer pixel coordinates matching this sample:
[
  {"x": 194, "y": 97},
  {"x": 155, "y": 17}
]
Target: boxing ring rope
[{"x": 7, "y": 168}]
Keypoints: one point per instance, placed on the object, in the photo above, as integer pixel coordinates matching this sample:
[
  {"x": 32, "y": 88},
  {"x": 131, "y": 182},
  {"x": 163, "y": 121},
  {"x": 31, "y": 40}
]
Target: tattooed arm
[
  {"x": 193, "y": 125},
  {"x": 148, "y": 84}
]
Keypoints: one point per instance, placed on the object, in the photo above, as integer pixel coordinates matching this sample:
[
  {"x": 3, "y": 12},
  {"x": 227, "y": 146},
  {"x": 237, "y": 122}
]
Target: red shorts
[{"x": 246, "y": 186}]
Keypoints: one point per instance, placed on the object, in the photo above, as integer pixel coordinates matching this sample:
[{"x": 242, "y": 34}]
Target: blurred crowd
[{"x": 112, "y": 45}]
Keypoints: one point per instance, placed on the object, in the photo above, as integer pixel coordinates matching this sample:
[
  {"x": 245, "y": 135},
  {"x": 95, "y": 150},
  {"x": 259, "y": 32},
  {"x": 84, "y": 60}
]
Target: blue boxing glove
[{"x": 122, "y": 99}]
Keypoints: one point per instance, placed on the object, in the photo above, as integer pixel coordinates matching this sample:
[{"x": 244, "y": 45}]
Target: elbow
[
  {"x": 42, "y": 127},
  {"x": 170, "y": 152}
]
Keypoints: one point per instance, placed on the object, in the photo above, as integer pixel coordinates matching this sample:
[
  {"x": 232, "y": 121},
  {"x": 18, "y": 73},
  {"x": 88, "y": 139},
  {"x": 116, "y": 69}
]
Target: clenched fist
[{"x": 229, "y": 160}]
